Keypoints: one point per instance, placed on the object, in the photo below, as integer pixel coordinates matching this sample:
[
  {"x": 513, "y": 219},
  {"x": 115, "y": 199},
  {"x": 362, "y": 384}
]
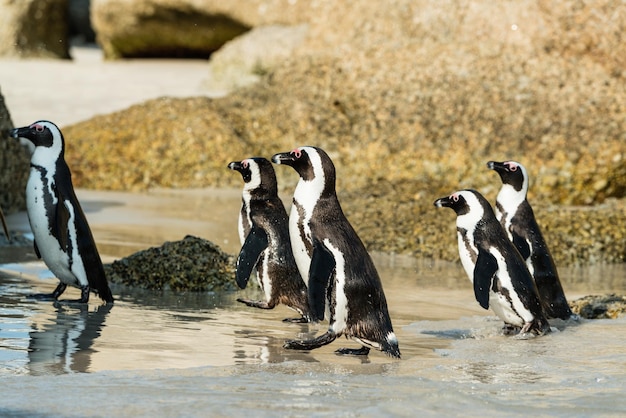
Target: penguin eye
[
  {"x": 38, "y": 128},
  {"x": 511, "y": 166},
  {"x": 245, "y": 163},
  {"x": 454, "y": 197},
  {"x": 297, "y": 153}
]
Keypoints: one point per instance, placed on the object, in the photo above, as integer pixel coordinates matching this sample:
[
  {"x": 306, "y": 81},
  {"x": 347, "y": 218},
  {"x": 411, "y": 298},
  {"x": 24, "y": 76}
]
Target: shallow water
[{"x": 189, "y": 354}]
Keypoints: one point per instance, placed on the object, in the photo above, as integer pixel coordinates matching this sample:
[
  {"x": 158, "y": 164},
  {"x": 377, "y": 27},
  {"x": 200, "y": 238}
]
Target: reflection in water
[
  {"x": 64, "y": 346},
  {"x": 488, "y": 372}
]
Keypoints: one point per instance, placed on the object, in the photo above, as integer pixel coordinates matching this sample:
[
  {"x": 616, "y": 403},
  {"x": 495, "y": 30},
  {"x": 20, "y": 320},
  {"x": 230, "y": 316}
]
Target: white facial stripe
[
  {"x": 467, "y": 223},
  {"x": 255, "y": 175},
  {"x": 47, "y": 156},
  {"x": 255, "y": 182},
  {"x": 339, "y": 322},
  {"x": 306, "y": 195},
  {"x": 474, "y": 215}
]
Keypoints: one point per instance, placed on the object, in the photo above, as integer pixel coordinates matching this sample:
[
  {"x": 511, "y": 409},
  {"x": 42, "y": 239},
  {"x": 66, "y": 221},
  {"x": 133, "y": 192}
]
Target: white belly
[
  {"x": 298, "y": 247},
  {"x": 513, "y": 312},
  {"x": 51, "y": 252}
]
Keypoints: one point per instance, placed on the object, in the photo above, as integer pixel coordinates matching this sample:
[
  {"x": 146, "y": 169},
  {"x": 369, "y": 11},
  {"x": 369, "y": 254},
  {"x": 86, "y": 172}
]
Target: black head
[
  {"x": 42, "y": 134},
  {"x": 512, "y": 173},
  {"x": 456, "y": 201},
  {"x": 257, "y": 173},
  {"x": 310, "y": 163},
  {"x": 465, "y": 202}
]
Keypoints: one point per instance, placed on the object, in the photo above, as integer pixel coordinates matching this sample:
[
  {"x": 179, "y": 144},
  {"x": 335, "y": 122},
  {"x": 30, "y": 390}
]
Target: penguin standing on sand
[
  {"x": 62, "y": 236},
  {"x": 500, "y": 277},
  {"x": 264, "y": 234},
  {"x": 517, "y": 217},
  {"x": 341, "y": 275}
]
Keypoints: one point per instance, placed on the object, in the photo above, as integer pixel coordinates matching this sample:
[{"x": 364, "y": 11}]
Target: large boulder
[
  {"x": 14, "y": 165},
  {"x": 34, "y": 28},
  {"x": 161, "y": 28},
  {"x": 248, "y": 58}
]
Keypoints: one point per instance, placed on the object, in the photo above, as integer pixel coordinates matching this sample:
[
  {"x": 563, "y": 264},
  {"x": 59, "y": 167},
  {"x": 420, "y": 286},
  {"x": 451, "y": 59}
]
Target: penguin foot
[
  {"x": 363, "y": 351},
  {"x": 301, "y": 320},
  {"x": 42, "y": 296},
  {"x": 509, "y": 329},
  {"x": 256, "y": 303},
  {"x": 323, "y": 339}
]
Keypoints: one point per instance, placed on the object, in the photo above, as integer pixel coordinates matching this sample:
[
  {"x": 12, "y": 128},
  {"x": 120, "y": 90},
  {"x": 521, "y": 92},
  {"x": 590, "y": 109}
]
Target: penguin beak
[
  {"x": 21, "y": 133},
  {"x": 498, "y": 167},
  {"x": 235, "y": 165},
  {"x": 283, "y": 158},
  {"x": 443, "y": 202}
]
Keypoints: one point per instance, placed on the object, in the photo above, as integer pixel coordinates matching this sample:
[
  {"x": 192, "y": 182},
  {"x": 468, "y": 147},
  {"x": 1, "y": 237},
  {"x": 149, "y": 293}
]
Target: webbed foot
[{"x": 363, "y": 351}]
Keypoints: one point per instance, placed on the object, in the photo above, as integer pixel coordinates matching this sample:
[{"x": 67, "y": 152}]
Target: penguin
[
  {"x": 264, "y": 234},
  {"x": 499, "y": 275},
  {"x": 518, "y": 219},
  {"x": 341, "y": 275},
  {"x": 62, "y": 235}
]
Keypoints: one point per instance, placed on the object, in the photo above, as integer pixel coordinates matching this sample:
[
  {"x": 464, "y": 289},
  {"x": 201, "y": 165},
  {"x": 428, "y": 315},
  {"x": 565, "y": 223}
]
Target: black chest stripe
[{"x": 306, "y": 240}]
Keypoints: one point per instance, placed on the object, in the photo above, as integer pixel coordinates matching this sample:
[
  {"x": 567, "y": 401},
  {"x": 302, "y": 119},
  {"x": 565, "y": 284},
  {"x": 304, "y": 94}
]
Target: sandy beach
[{"x": 70, "y": 91}]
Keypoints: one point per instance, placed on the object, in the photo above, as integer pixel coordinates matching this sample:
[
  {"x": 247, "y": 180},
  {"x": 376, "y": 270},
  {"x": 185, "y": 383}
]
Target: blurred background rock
[{"x": 410, "y": 99}]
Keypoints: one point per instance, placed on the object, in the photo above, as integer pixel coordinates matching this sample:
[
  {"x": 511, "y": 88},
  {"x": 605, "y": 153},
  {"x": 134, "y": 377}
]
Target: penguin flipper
[
  {"x": 61, "y": 222},
  {"x": 521, "y": 244},
  {"x": 485, "y": 269},
  {"x": 36, "y": 248},
  {"x": 256, "y": 242},
  {"x": 320, "y": 272}
]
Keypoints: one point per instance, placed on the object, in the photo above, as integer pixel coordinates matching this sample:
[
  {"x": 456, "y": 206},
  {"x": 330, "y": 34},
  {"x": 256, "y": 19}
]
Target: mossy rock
[
  {"x": 609, "y": 306},
  {"x": 193, "y": 264}
]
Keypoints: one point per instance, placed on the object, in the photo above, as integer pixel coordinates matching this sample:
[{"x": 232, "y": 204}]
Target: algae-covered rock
[
  {"x": 610, "y": 306},
  {"x": 191, "y": 264}
]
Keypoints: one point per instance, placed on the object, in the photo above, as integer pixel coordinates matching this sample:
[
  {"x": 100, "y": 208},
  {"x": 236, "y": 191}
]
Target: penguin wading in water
[
  {"x": 62, "y": 236},
  {"x": 266, "y": 247},
  {"x": 499, "y": 275},
  {"x": 341, "y": 276},
  {"x": 518, "y": 219}
]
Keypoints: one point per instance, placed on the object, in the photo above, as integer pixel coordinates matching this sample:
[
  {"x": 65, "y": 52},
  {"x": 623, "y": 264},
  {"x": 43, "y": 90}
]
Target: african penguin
[
  {"x": 62, "y": 236},
  {"x": 498, "y": 272},
  {"x": 517, "y": 217},
  {"x": 341, "y": 275},
  {"x": 266, "y": 248}
]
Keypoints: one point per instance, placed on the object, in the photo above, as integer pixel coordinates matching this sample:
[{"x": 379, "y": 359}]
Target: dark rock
[
  {"x": 192, "y": 264},
  {"x": 14, "y": 165},
  {"x": 609, "y": 306},
  {"x": 149, "y": 29}
]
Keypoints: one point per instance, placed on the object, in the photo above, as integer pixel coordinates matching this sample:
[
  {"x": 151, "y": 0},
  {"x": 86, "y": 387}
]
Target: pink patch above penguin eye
[
  {"x": 38, "y": 128},
  {"x": 454, "y": 197},
  {"x": 245, "y": 163},
  {"x": 297, "y": 153},
  {"x": 511, "y": 165}
]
